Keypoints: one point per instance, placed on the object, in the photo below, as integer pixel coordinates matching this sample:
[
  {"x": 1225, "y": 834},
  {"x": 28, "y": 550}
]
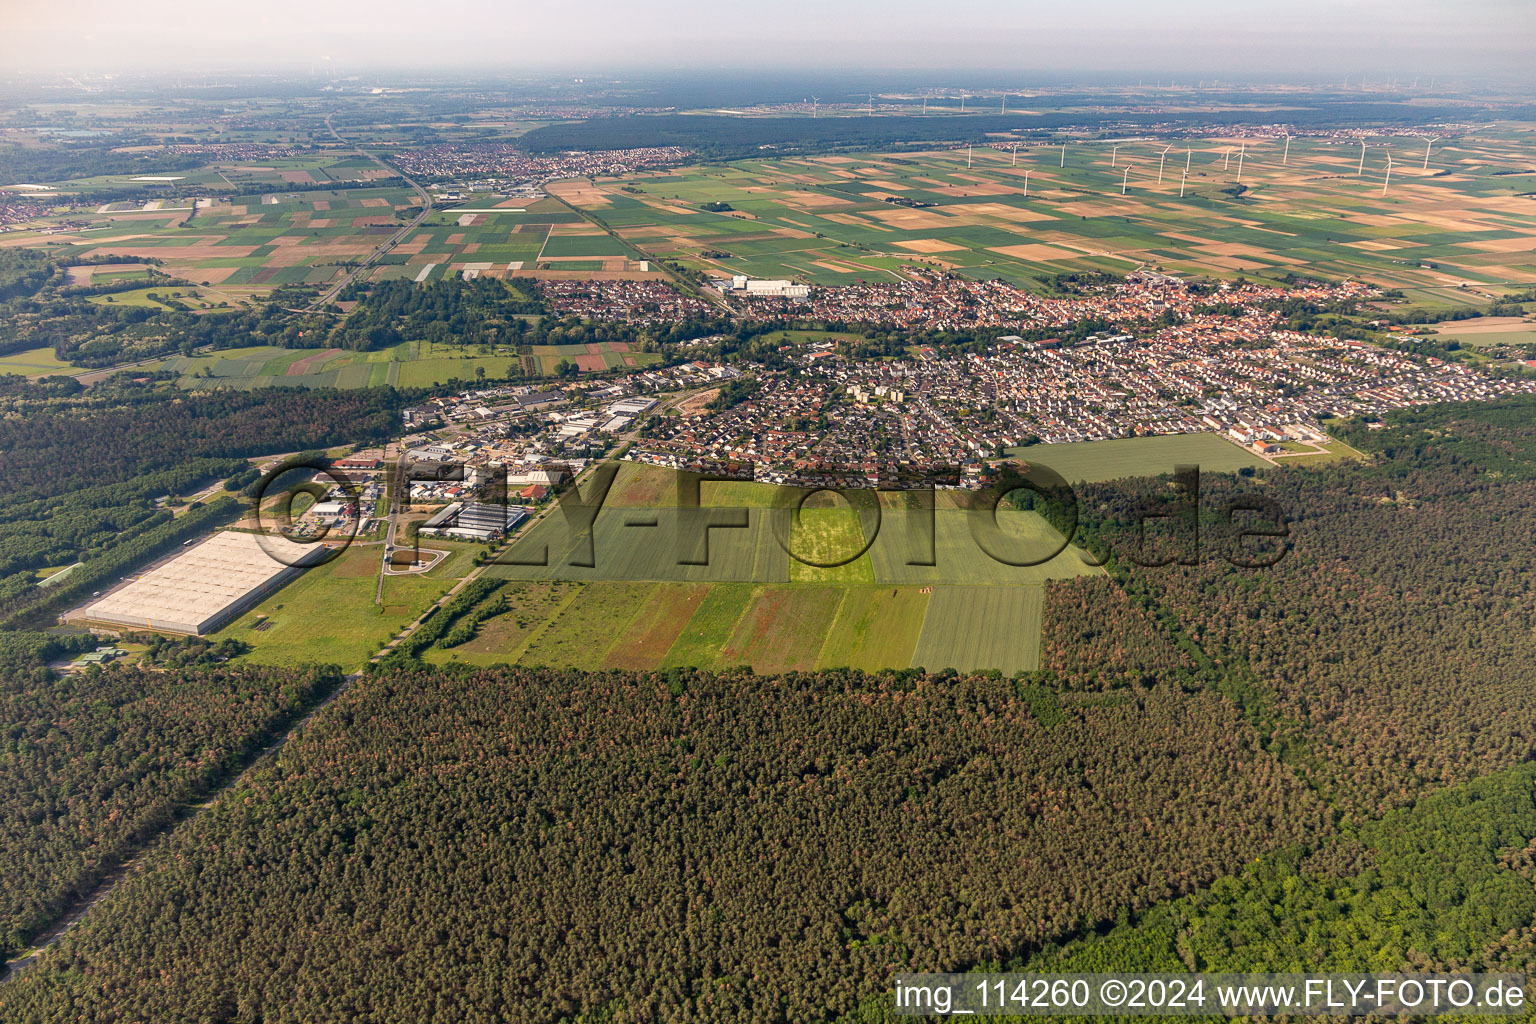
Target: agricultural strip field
[
  {"x": 771, "y": 628},
  {"x": 974, "y": 628},
  {"x": 752, "y": 604},
  {"x": 839, "y": 219},
  {"x": 410, "y": 364},
  {"x": 1096, "y": 461}
]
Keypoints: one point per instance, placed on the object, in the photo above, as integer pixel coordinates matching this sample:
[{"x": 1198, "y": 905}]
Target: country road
[{"x": 389, "y": 243}]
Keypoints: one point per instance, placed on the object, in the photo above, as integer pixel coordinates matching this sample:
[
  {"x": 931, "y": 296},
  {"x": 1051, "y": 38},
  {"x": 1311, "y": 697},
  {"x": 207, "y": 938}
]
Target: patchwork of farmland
[
  {"x": 990, "y": 213},
  {"x": 249, "y": 244},
  {"x": 656, "y": 585}
]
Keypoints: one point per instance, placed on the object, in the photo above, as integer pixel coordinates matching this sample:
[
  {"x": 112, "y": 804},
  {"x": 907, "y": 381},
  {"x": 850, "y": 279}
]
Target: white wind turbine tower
[
  {"x": 1428, "y": 144},
  {"x": 1016, "y": 155},
  {"x": 1362, "y": 159},
  {"x": 1388, "y": 179},
  {"x": 1189, "y": 154},
  {"x": 1005, "y": 103},
  {"x": 1125, "y": 181},
  {"x": 1161, "y": 159},
  {"x": 962, "y": 104},
  {"x": 1286, "y": 159},
  {"x": 1063, "y": 154},
  {"x": 1227, "y": 158},
  {"x": 815, "y": 102},
  {"x": 1026, "y": 182},
  {"x": 925, "y": 103},
  {"x": 967, "y": 155},
  {"x": 1182, "y": 179},
  {"x": 1114, "y": 154},
  {"x": 1240, "y": 155},
  {"x": 871, "y": 104}
]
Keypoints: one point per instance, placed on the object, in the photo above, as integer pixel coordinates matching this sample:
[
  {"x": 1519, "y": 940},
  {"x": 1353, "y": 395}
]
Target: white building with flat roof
[{"x": 207, "y": 585}]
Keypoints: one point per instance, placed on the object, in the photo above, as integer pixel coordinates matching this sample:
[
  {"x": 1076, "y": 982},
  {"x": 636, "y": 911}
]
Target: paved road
[{"x": 389, "y": 243}]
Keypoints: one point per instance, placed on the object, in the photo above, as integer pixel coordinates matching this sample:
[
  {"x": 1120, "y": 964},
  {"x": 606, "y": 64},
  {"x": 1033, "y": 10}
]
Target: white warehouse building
[
  {"x": 760, "y": 288},
  {"x": 206, "y": 586}
]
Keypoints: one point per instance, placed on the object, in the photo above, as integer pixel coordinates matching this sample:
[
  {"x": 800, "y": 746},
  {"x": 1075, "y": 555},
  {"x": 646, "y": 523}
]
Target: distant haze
[{"x": 1326, "y": 39}]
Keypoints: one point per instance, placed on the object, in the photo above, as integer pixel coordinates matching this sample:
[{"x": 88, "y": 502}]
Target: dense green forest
[
  {"x": 485, "y": 846},
  {"x": 93, "y": 764},
  {"x": 86, "y": 475},
  {"x": 1448, "y": 884},
  {"x": 87, "y": 159}
]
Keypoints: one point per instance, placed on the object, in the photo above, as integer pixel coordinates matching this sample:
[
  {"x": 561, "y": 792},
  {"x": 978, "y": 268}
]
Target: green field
[
  {"x": 753, "y": 604},
  {"x": 974, "y": 628},
  {"x": 35, "y": 362},
  {"x": 1095, "y": 461},
  {"x": 875, "y": 627},
  {"x": 702, "y": 641},
  {"x": 838, "y": 219},
  {"x": 328, "y": 614},
  {"x": 409, "y": 365}
]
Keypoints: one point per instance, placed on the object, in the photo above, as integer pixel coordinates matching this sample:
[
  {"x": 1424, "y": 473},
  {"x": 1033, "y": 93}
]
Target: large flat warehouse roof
[{"x": 201, "y": 589}]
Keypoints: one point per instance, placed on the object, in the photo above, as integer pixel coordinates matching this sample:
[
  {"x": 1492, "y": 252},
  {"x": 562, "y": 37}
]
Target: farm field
[
  {"x": 409, "y": 364},
  {"x": 245, "y": 246},
  {"x": 754, "y": 605},
  {"x": 328, "y": 615},
  {"x": 1486, "y": 331},
  {"x": 35, "y": 362},
  {"x": 493, "y": 236},
  {"x": 841, "y": 219},
  {"x": 770, "y": 627},
  {"x": 975, "y": 628},
  {"x": 1095, "y": 461}
]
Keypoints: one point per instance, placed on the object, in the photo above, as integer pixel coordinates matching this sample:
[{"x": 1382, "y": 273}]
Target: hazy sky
[{"x": 1329, "y": 38}]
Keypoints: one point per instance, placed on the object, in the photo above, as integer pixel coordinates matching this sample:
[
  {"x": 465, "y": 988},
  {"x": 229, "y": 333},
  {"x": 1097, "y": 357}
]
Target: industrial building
[
  {"x": 758, "y": 288},
  {"x": 208, "y": 585},
  {"x": 474, "y": 520}
]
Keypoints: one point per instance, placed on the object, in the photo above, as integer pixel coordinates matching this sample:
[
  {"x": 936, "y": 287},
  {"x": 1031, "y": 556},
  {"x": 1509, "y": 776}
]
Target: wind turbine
[
  {"x": 1240, "y": 156},
  {"x": 1182, "y": 179},
  {"x": 962, "y": 104},
  {"x": 1114, "y": 154},
  {"x": 1189, "y": 154},
  {"x": 1026, "y": 182},
  {"x": 967, "y": 155},
  {"x": 1227, "y": 158},
  {"x": 1016, "y": 157},
  {"x": 815, "y": 101},
  {"x": 1362, "y": 159},
  {"x": 1063, "y": 154},
  {"x": 871, "y": 104},
  {"x": 1161, "y": 159},
  {"x": 1125, "y": 181},
  {"x": 1286, "y": 159},
  {"x": 1428, "y": 143},
  {"x": 925, "y": 103},
  {"x": 1005, "y": 103},
  {"x": 1388, "y": 179}
]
